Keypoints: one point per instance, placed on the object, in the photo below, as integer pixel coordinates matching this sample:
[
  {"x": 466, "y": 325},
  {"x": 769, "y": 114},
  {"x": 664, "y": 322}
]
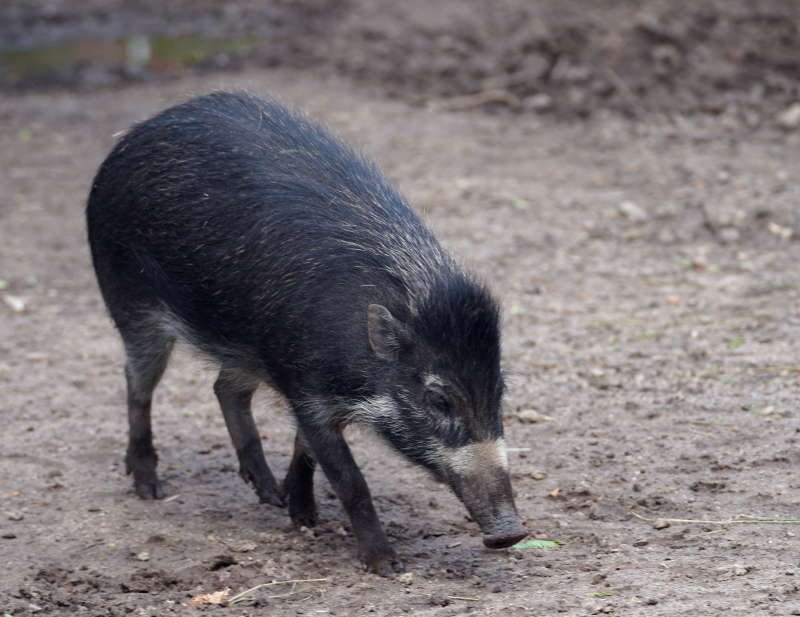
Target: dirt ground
[{"x": 648, "y": 274}]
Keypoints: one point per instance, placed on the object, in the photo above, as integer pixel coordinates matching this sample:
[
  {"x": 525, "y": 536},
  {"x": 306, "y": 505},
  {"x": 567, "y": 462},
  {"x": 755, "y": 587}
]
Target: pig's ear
[{"x": 386, "y": 334}]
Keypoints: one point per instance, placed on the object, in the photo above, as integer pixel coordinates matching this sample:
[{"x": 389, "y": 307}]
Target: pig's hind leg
[
  {"x": 147, "y": 352},
  {"x": 234, "y": 392},
  {"x": 298, "y": 487}
]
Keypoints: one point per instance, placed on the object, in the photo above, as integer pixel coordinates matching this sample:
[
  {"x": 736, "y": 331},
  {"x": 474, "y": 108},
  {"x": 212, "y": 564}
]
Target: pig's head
[{"x": 439, "y": 403}]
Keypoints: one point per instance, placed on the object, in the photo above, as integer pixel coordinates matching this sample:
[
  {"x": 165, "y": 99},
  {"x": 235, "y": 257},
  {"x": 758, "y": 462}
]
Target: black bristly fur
[
  {"x": 459, "y": 320},
  {"x": 249, "y": 230}
]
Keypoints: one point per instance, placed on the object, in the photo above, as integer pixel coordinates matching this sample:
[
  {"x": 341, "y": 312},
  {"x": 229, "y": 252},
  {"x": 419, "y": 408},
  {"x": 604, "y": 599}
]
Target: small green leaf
[
  {"x": 25, "y": 135},
  {"x": 539, "y": 544},
  {"x": 602, "y": 594},
  {"x": 519, "y": 203},
  {"x": 3, "y": 285},
  {"x": 726, "y": 379},
  {"x": 735, "y": 342}
]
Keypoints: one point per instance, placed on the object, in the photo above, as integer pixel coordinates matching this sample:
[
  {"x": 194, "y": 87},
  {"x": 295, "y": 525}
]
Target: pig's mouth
[
  {"x": 505, "y": 535},
  {"x": 491, "y": 504}
]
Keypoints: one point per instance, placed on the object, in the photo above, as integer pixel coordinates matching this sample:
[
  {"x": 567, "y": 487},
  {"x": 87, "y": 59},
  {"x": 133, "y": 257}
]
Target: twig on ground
[
  {"x": 464, "y": 598},
  {"x": 699, "y": 422},
  {"x": 739, "y": 519},
  {"x": 243, "y": 595}
]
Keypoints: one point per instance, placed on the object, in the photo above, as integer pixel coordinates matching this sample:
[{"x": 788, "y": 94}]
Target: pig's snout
[
  {"x": 479, "y": 476},
  {"x": 504, "y": 534},
  {"x": 501, "y": 526}
]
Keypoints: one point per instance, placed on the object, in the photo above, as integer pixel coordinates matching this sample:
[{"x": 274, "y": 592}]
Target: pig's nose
[
  {"x": 505, "y": 535},
  {"x": 503, "y": 541}
]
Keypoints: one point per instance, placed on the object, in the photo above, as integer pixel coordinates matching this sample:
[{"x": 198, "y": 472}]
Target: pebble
[
  {"x": 539, "y": 102},
  {"x": 245, "y": 546},
  {"x": 439, "y": 599},
  {"x": 660, "y": 523},
  {"x": 15, "y": 516},
  {"x": 729, "y": 234},
  {"x": 633, "y": 211},
  {"x": 789, "y": 118},
  {"x": 785, "y": 233},
  {"x": 16, "y": 303},
  {"x": 592, "y": 607},
  {"x": 143, "y": 556},
  {"x": 531, "y": 416}
]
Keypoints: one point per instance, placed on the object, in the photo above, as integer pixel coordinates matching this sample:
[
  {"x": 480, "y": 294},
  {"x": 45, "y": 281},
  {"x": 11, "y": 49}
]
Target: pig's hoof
[
  {"x": 145, "y": 479},
  {"x": 505, "y": 539},
  {"x": 271, "y": 497},
  {"x": 386, "y": 563},
  {"x": 302, "y": 507},
  {"x": 141, "y": 464},
  {"x": 264, "y": 486},
  {"x": 306, "y": 517},
  {"x": 149, "y": 489}
]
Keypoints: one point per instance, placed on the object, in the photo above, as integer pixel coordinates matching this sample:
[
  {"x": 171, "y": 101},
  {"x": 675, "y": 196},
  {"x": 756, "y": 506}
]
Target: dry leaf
[
  {"x": 218, "y": 597},
  {"x": 554, "y": 493}
]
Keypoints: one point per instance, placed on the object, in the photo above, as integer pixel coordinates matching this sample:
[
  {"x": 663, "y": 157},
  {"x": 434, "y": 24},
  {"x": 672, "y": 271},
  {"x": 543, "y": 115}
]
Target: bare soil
[{"x": 648, "y": 273}]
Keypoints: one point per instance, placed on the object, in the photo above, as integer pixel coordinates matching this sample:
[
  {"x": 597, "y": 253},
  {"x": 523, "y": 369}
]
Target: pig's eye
[{"x": 438, "y": 401}]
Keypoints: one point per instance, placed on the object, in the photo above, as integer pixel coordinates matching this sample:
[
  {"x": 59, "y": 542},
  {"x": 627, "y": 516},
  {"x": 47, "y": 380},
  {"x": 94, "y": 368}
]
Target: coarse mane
[{"x": 460, "y": 320}]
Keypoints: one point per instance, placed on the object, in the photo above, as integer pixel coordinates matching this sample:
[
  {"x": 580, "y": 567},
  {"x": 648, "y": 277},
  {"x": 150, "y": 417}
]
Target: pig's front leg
[{"x": 330, "y": 450}]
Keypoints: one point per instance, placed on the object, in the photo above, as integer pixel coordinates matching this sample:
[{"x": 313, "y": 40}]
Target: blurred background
[{"x": 732, "y": 57}]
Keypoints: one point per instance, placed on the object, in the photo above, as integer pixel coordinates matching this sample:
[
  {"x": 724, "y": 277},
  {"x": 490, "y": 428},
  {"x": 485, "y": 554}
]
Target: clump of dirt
[
  {"x": 87, "y": 589},
  {"x": 576, "y": 56}
]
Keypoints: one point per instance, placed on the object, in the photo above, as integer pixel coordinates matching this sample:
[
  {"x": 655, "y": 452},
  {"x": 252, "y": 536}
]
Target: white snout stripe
[{"x": 476, "y": 456}]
